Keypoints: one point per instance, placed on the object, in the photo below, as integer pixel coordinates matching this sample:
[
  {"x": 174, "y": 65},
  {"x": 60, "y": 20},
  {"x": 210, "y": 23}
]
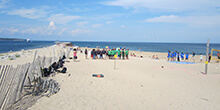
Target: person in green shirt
[
  {"x": 119, "y": 53},
  {"x": 127, "y": 52},
  {"x": 109, "y": 54},
  {"x": 123, "y": 54},
  {"x": 112, "y": 54}
]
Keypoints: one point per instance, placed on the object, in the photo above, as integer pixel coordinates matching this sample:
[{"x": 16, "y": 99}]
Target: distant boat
[{"x": 28, "y": 40}]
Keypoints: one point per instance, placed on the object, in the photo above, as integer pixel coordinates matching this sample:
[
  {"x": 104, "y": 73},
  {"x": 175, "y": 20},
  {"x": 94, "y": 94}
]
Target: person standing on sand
[
  {"x": 98, "y": 54},
  {"x": 86, "y": 53},
  {"x": 123, "y": 54},
  {"x": 168, "y": 56},
  {"x": 175, "y": 55},
  {"x": 201, "y": 58},
  {"x": 187, "y": 56},
  {"x": 178, "y": 56},
  {"x": 139, "y": 50},
  {"x": 103, "y": 53},
  {"x": 108, "y": 52},
  {"x": 182, "y": 56},
  {"x": 218, "y": 57},
  {"x": 210, "y": 57},
  {"x": 172, "y": 56},
  {"x": 92, "y": 53},
  {"x": 95, "y": 54},
  {"x": 74, "y": 54},
  {"x": 193, "y": 56},
  {"x": 119, "y": 54},
  {"x": 127, "y": 52}
]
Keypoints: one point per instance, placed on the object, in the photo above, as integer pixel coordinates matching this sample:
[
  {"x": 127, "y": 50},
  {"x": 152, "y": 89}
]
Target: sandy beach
[{"x": 134, "y": 84}]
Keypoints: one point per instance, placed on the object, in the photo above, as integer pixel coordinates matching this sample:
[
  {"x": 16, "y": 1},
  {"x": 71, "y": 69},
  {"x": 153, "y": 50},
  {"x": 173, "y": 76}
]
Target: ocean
[{"x": 6, "y": 46}]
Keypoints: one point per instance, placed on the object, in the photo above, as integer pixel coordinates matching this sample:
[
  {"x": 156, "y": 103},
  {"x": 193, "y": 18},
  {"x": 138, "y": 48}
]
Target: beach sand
[{"x": 135, "y": 84}]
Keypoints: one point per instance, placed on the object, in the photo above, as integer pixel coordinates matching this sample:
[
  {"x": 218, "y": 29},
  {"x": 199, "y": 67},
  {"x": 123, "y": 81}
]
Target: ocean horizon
[{"x": 164, "y": 47}]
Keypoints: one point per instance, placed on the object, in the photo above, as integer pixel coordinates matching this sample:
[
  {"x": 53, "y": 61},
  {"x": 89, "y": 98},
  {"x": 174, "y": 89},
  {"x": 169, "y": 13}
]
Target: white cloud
[
  {"x": 32, "y": 13},
  {"x": 76, "y": 9},
  {"x": 122, "y": 26},
  {"x": 37, "y": 30},
  {"x": 96, "y": 25},
  {"x": 81, "y": 24},
  {"x": 191, "y": 20},
  {"x": 109, "y": 22},
  {"x": 79, "y": 32},
  {"x": 11, "y": 30},
  {"x": 167, "y": 19},
  {"x": 166, "y": 5},
  {"x": 51, "y": 26},
  {"x": 61, "y": 32},
  {"x": 63, "y": 19},
  {"x": 3, "y": 3}
]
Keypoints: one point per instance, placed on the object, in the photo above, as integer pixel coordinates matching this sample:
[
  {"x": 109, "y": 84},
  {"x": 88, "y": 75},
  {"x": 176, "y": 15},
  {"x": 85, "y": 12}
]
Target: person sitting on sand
[
  {"x": 156, "y": 57},
  {"x": 153, "y": 57}
]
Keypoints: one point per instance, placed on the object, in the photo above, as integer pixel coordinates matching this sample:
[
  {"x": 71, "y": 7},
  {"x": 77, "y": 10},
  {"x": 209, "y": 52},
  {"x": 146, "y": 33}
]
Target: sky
[{"x": 190, "y": 21}]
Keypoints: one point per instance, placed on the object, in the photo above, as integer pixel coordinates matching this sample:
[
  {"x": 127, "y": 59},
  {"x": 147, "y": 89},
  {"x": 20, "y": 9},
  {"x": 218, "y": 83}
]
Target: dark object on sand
[
  {"x": 71, "y": 58},
  {"x": 162, "y": 66},
  {"x": 64, "y": 70},
  {"x": 98, "y": 75}
]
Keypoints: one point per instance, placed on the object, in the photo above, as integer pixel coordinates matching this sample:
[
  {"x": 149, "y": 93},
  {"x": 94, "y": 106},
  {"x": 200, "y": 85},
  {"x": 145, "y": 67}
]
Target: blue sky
[{"x": 112, "y": 20}]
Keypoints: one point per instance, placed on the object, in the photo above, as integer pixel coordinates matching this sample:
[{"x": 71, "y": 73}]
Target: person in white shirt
[{"x": 200, "y": 57}]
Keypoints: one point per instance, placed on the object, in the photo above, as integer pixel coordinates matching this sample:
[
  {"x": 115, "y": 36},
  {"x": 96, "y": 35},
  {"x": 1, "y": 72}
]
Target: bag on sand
[
  {"x": 64, "y": 70},
  {"x": 45, "y": 72}
]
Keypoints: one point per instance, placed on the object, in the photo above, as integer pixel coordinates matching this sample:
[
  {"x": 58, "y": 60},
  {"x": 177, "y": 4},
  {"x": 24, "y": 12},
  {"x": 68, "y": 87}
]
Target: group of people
[
  {"x": 115, "y": 53},
  {"x": 177, "y": 56}
]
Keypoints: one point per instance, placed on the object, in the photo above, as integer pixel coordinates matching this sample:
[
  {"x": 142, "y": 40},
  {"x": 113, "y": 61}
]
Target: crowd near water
[
  {"x": 104, "y": 53},
  {"x": 177, "y": 56}
]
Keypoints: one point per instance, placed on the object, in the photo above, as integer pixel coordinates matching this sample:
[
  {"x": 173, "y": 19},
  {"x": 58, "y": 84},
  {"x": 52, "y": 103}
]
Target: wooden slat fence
[{"x": 14, "y": 80}]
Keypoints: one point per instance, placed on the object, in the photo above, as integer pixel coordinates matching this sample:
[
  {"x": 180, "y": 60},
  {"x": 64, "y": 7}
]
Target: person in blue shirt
[
  {"x": 187, "y": 56},
  {"x": 175, "y": 55},
  {"x": 168, "y": 56},
  {"x": 172, "y": 56},
  {"x": 178, "y": 56},
  {"x": 182, "y": 56}
]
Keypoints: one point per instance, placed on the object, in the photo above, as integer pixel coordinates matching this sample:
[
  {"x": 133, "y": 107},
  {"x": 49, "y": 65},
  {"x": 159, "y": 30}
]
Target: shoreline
[{"x": 144, "y": 54}]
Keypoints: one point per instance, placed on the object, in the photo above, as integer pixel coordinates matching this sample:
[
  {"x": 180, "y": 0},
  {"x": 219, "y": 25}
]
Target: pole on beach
[{"x": 207, "y": 55}]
